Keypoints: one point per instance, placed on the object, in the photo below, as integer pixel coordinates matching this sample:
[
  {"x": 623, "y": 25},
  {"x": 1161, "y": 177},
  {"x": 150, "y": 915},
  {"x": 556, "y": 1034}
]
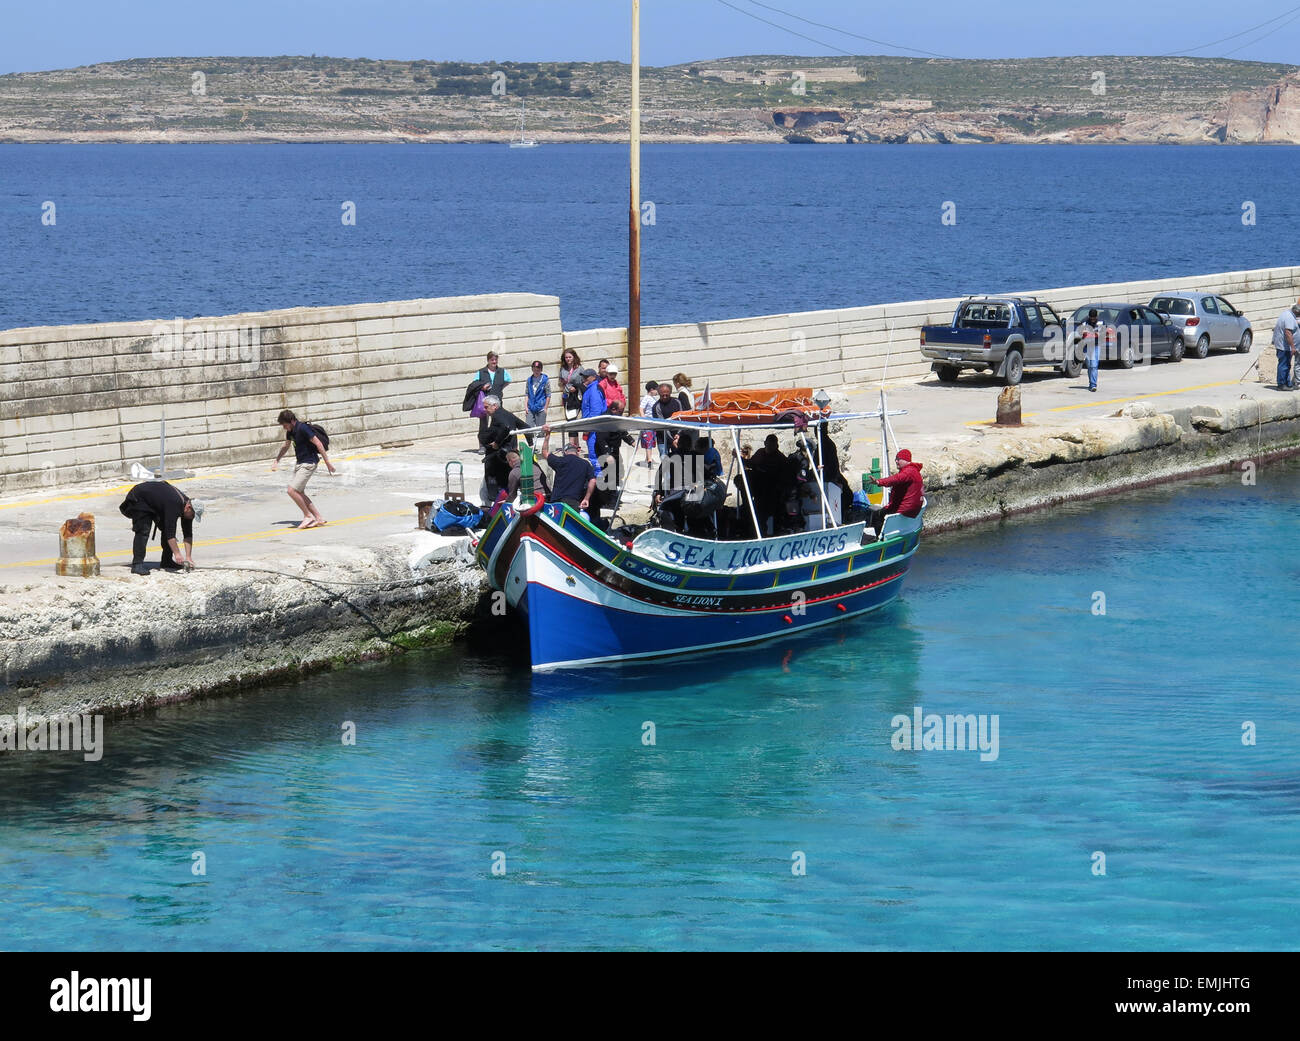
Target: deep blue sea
[
  {"x": 1119, "y": 734},
  {"x": 158, "y": 231}
]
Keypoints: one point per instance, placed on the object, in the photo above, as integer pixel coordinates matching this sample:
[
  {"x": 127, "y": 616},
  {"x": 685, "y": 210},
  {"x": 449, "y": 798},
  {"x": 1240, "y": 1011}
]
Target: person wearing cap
[
  {"x": 1286, "y": 334},
  {"x": 906, "y": 491},
  {"x": 593, "y": 404},
  {"x": 575, "y": 480},
  {"x": 612, "y": 389},
  {"x": 1090, "y": 333},
  {"x": 157, "y": 504}
]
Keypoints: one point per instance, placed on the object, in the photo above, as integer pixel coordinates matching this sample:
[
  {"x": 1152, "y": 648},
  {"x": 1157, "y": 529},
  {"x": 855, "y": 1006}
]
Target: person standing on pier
[
  {"x": 1285, "y": 333},
  {"x": 570, "y": 383},
  {"x": 611, "y": 388},
  {"x": 593, "y": 404},
  {"x": 665, "y": 407},
  {"x": 538, "y": 392},
  {"x": 648, "y": 438},
  {"x": 492, "y": 379},
  {"x": 682, "y": 383},
  {"x": 1090, "y": 333},
  {"x": 310, "y": 446}
]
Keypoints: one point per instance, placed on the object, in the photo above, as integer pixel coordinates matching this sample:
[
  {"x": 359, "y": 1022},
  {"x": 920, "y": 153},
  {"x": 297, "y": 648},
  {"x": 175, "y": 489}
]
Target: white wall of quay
[
  {"x": 81, "y": 403},
  {"x": 863, "y": 345}
]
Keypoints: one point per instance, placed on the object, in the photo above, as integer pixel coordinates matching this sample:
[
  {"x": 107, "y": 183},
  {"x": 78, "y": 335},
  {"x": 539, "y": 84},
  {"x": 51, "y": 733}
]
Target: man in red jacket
[{"x": 905, "y": 490}]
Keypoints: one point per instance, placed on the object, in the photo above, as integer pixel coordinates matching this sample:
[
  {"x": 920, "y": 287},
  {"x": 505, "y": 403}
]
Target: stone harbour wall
[{"x": 83, "y": 403}]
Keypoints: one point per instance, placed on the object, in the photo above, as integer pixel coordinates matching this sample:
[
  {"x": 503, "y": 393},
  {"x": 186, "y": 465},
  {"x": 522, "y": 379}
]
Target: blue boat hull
[
  {"x": 568, "y": 631},
  {"x": 588, "y": 598}
]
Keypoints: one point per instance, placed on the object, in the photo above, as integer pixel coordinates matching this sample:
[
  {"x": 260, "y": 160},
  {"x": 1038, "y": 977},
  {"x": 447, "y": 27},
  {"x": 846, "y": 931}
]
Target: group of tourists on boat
[{"x": 777, "y": 492}]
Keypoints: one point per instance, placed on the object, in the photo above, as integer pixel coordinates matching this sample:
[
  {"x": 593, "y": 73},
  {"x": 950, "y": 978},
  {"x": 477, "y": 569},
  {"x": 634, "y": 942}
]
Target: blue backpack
[{"x": 456, "y": 513}]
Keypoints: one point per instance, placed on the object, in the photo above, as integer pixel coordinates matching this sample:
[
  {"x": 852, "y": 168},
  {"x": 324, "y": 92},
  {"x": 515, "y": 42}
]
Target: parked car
[
  {"x": 1000, "y": 335},
  {"x": 1133, "y": 332},
  {"x": 1206, "y": 321}
]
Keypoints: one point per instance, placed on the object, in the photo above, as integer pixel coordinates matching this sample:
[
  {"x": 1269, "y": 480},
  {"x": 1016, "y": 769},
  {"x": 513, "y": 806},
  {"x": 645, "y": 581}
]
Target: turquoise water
[{"x": 1118, "y": 733}]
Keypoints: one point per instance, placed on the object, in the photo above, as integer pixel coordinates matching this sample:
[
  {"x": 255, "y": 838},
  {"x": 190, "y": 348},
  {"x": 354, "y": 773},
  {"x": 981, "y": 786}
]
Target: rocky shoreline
[{"x": 747, "y": 99}]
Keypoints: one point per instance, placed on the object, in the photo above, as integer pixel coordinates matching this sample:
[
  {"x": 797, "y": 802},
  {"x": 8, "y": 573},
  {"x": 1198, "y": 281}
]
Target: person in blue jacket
[{"x": 593, "y": 404}]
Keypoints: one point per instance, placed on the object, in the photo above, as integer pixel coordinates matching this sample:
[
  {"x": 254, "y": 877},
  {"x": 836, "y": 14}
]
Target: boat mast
[{"x": 634, "y": 213}]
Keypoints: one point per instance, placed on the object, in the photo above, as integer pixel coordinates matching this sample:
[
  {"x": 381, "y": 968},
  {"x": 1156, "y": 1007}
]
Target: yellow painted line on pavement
[
  {"x": 120, "y": 489},
  {"x": 233, "y": 539},
  {"x": 1117, "y": 401},
  {"x": 1141, "y": 397},
  {"x": 366, "y": 455}
]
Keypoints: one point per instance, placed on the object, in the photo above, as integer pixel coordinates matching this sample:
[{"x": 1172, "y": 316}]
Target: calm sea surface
[
  {"x": 148, "y": 231},
  {"x": 1119, "y": 734}
]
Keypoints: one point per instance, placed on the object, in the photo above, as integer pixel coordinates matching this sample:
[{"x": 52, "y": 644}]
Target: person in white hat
[{"x": 612, "y": 389}]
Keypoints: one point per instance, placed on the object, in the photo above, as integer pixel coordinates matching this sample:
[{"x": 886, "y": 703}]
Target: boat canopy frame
[
  {"x": 632, "y": 424},
  {"x": 635, "y": 424}
]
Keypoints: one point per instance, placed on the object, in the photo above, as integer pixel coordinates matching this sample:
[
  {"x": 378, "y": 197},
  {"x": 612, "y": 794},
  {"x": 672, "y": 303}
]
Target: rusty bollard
[
  {"x": 1009, "y": 407},
  {"x": 77, "y": 547}
]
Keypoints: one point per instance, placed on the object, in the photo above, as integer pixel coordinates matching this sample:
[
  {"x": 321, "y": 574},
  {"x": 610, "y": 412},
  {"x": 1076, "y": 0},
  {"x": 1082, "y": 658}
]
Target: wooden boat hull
[{"x": 589, "y": 599}]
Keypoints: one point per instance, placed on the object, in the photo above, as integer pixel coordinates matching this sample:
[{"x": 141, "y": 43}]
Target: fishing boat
[
  {"x": 590, "y": 596},
  {"x": 648, "y": 591},
  {"x": 524, "y": 141}
]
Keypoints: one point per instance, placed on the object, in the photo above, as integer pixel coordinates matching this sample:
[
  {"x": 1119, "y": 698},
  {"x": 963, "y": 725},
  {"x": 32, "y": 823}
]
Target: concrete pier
[{"x": 269, "y": 601}]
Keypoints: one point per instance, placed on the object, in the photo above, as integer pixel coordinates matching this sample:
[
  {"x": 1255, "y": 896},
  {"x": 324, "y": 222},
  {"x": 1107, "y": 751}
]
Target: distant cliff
[{"x": 754, "y": 98}]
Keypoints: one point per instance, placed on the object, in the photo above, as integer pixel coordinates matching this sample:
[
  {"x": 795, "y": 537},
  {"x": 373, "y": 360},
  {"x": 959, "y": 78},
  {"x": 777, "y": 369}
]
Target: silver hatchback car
[{"x": 1207, "y": 321}]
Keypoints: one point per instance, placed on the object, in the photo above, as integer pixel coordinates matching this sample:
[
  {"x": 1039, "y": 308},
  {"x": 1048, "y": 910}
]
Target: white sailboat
[{"x": 523, "y": 142}]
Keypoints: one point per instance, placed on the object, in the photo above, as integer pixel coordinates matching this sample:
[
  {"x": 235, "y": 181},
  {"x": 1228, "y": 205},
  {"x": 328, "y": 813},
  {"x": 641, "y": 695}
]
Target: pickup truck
[{"x": 1000, "y": 335}]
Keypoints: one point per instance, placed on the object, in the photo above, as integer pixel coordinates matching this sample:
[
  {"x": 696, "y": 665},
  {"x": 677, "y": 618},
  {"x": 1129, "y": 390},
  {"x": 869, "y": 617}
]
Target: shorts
[{"x": 301, "y": 475}]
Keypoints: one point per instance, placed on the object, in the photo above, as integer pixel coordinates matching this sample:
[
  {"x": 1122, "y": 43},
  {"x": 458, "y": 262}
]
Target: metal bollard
[
  {"x": 1009, "y": 407},
  {"x": 77, "y": 547}
]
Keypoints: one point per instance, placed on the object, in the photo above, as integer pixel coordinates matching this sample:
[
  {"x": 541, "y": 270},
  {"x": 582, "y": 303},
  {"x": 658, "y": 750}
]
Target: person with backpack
[
  {"x": 310, "y": 445},
  {"x": 492, "y": 379}
]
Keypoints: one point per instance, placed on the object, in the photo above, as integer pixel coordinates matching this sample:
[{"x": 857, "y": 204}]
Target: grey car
[
  {"x": 1206, "y": 321},
  {"x": 1133, "y": 333}
]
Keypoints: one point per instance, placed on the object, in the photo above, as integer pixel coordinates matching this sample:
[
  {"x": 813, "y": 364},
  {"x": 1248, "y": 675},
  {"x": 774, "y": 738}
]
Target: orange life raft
[{"x": 753, "y": 406}]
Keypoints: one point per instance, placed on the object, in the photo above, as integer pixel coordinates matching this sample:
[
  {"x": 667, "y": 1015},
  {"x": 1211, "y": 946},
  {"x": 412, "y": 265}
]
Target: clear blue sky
[{"x": 64, "y": 33}]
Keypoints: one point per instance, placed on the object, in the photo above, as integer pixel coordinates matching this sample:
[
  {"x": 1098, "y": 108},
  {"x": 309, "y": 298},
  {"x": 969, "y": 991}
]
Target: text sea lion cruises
[{"x": 589, "y": 597}]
